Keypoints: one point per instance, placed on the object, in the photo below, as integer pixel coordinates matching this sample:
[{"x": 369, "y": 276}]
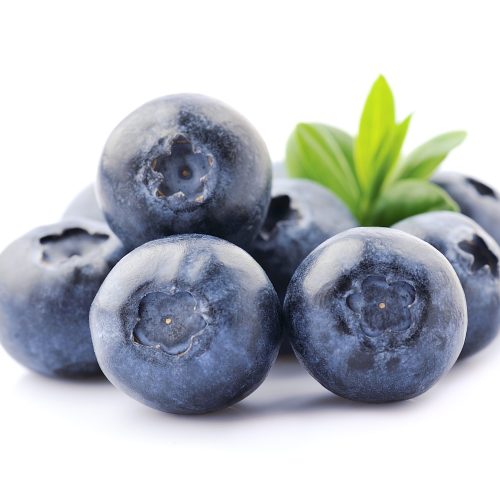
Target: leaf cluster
[{"x": 368, "y": 172}]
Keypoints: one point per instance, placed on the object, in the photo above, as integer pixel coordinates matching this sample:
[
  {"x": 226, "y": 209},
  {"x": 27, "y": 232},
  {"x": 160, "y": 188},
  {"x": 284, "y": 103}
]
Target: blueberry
[
  {"x": 302, "y": 215},
  {"x": 476, "y": 200},
  {"x": 474, "y": 255},
  {"x": 186, "y": 324},
  {"x": 184, "y": 164},
  {"x": 48, "y": 280},
  {"x": 376, "y": 315},
  {"x": 85, "y": 205}
]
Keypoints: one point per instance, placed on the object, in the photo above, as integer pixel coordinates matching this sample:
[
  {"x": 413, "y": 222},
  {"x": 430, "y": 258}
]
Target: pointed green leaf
[
  {"x": 375, "y": 128},
  {"x": 398, "y": 138},
  {"x": 345, "y": 142},
  {"x": 388, "y": 156},
  {"x": 423, "y": 161},
  {"x": 408, "y": 197},
  {"x": 316, "y": 152}
]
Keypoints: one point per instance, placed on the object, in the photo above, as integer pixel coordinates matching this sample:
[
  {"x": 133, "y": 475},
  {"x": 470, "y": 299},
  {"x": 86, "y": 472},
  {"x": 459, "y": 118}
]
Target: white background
[{"x": 70, "y": 72}]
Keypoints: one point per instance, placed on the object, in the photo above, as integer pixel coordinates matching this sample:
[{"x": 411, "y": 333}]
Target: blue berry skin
[
  {"x": 48, "y": 280},
  {"x": 301, "y": 216},
  {"x": 186, "y": 324},
  {"x": 376, "y": 315},
  {"x": 476, "y": 200},
  {"x": 85, "y": 205},
  {"x": 474, "y": 255},
  {"x": 184, "y": 163}
]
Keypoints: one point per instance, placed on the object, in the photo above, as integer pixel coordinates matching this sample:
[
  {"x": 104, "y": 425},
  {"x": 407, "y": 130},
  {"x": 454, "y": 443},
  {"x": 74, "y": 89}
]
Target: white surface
[{"x": 71, "y": 72}]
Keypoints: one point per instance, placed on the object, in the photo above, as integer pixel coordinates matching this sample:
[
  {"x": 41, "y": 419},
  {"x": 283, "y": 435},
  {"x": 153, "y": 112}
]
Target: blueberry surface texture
[
  {"x": 85, "y": 205},
  {"x": 376, "y": 315},
  {"x": 475, "y": 199},
  {"x": 301, "y": 216},
  {"x": 186, "y": 324},
  {"x": 184, "y": 163},
  {"x": 474, "y": 255},
  {"x": 48, "y": 280}
]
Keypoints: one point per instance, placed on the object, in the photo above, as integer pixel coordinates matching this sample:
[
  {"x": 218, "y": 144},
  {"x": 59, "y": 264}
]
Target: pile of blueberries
[{"x": 195, "y": 267}]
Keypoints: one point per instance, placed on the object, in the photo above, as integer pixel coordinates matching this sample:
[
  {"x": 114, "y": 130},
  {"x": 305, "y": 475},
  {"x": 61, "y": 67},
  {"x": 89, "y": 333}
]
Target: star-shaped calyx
[
  {"x": 482, "y": 255},
  {"x": 169, "y": 321},
  {"x": 72, "y": 242},
  {"x": 280, "y": 210},
  {"x": 383, "y": 306},
  {"x": 181, "y": 172}
]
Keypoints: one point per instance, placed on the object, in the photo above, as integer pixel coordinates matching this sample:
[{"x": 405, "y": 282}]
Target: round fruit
[
  {"x": 184, "y": 164},
  {"x": 474, "y": 255},
  {"x": 48, "y": 280},
  {"x": 186, "y": 324},
  {"x": 476, "y": 200},
  {"x": 302, "y": 215},
  {"x": 376, "y": 315}
]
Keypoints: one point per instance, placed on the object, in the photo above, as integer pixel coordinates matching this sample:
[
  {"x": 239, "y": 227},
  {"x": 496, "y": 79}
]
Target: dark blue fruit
[
  {"x": 376, "y": 315},
  {"x": 474, "y": 255},
  {"x": 184, "y": 164},
  {"x": 476, "y": 200},
  {"x": 48, "y": 280},
  {"x": 302, "y": 215},
  {"x": 85, "y": 205},
  {"x": 187, "y": 324}
]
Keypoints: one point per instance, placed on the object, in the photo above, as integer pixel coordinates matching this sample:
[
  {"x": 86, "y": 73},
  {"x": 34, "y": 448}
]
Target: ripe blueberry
[
  {"x": 302, "y": 215},
  {"x": 474, "y": 255},
  {"x": 186, "y": 324},
  {"x": 48, "y": 280},
  {"x": 376, "y": 315},
  {"x": 184, "y": 164},
  {"x": 476, "y": 200}
]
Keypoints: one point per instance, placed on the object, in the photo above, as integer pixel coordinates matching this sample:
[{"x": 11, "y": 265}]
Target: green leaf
[
  {"x": 375, "y": 129},
  {"x": 367, "y": 172},
  {"x": 408, "y": 197},
  {"x": 423, "y": 161},
  {"x": 389, "y": 155},
  {"x": 321, "y": 153},
  {"x": 345, "y": 142}
]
